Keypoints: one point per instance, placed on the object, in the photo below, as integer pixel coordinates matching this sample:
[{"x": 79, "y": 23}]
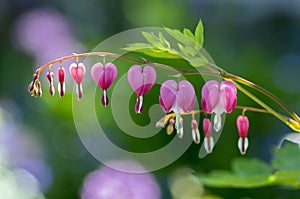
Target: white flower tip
[
  {"x": 196, "y": 136},
  {"x": 217, "y": 122},
  {"x": 243, "y": 144},
  {"x": 209, "y": 144}
]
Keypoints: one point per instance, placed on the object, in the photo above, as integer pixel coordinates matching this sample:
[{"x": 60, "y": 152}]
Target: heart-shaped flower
[
  {"x": 104, "y": 75},
  {"x": 77, "y": 70},
  {"x": 178, "y": 98},
  {"x": 218, "y": 98},
  {"x": 141, "y": 80},
  {"x": 242, "y": 123}
]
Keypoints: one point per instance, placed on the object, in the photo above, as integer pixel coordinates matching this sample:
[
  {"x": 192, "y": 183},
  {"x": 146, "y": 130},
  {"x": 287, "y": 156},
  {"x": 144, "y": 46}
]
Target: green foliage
[
  {"x": 252, "y": 173},
  {"x": 174, "y": 44}
]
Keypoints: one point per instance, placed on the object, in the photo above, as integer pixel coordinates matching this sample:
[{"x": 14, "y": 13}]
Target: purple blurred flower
[
  {"x": 108, "y": 183},
  {"x": 141, "y": 80},
  {"x": 45, "y": 34},
  {"x": 104, "y": 75}
]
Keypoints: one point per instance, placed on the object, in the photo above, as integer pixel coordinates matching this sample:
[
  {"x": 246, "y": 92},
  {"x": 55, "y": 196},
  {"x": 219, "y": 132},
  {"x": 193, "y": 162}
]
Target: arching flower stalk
[{"x": 141, "y": 80}]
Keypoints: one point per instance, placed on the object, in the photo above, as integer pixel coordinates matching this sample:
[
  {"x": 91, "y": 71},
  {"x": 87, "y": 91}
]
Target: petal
[
  {"x": 136, "y": 79},
  {"x": 242, "y": 123},
  {"x": 167, "y": 96},
  {"x": 104, "y": 75},
  {"x": 209, "y": 144},
  {"x": 77, "y": 71},
  {"x": 186, "y": 96},
  {"x": 139, "y": 105},
  {"x": 217, "y": 122},
  {"x": 210, "y": 95},
  {"x": 243, "y": 144},
  {"x": 207, "y": 127},
  {"x": 149, "y": 78},
  {"x": 141, "y": 80},
  {"x": 228, "y": 96}
]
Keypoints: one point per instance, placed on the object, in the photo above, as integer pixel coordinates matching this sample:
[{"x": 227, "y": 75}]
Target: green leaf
[
  {"x": 188, "y": 33},
  {"x": 137, "y": 46},
  {"x": 250, "y": 167},
  {"x": 180, "y": 37},
  {"x": 245, "y": 174},
  {"x": 287, "y": 157},
  {"x": 199, "y": 33},
  {"x": 288, "y": 178}
]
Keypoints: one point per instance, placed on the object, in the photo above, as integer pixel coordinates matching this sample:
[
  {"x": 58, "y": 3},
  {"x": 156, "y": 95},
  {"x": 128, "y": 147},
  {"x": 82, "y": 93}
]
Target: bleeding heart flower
[
  {"x": 141, "y": 80},
  {"x": 50, "y": 77},
  {"x": 178, "y": 98},
  {"x": 104, "y": 75},
  {"x": 242, "y": 123},
  {"x": 77, "y": 70},
  {"x": 61, "y": 82},
  {"x": 218, "y": 98},
  {"x": 195, "y": 131},
  {"x": 208, "y": 139}
]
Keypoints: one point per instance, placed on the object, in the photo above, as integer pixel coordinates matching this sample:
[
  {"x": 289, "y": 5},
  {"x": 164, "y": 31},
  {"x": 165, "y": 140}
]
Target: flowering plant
[{"x": 177, "y": 98}]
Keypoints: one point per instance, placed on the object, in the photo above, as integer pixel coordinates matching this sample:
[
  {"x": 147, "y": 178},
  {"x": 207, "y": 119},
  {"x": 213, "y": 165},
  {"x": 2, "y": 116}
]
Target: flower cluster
[{"x": 176, "y": 98}]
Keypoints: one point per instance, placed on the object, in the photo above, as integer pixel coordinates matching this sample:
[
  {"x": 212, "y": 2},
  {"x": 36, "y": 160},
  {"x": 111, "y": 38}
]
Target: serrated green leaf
[
  {"x": 188, "y": 33},
  {"x": 164, "y": 41},
  {"x": 180, "y": 37},
  {"x": 287, "y": 157},
  {"x": 199, "y": 33}
]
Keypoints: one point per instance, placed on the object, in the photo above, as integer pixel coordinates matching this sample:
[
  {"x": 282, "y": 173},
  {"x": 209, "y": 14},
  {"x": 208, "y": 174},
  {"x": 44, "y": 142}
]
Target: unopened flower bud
[
  {"x": 35, "y": 87},
  {"x": 170, "y": 127},
  {"x": 50, "y": 77},
  {"x": 208, "y": 140},
  {"x": 242, "y": 123},
  {"x": 195, "y": 131},
  {"x": 61, "y": 82},
  {"x": 162, "y": 122}
]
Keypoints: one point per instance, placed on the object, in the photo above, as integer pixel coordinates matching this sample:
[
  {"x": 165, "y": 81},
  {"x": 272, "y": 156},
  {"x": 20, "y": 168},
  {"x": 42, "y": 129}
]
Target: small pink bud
[
  {"x": 208, "y": 140},
  {"x": 61, "y": 82},
  {"x": 104, "y": 75},
  {"x": 242, "y": 123},
  {"x": 141, "y": 81},
  {"x": 195, "y": 131},
  {"x": 50, "y": 77}
]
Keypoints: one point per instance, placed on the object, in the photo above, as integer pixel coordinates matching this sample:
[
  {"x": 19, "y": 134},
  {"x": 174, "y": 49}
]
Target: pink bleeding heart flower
[
  {"x": 242, "y": 123},
  {"x": 208, "y": 139},
  {"x": 104, "y": 75},
  {"x": 61, "y": 82},
  {"x": 77, "y": 70},
  {"x": 178, "y": 98},
  {"x": 141, "y": 80},
  {"x": 218, "y": 98}
]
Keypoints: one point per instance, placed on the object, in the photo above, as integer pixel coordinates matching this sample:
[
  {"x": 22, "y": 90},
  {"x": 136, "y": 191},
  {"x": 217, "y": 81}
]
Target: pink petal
[
  {"x": 77, "y": 71},
  {"x": 207, "y": 127},
  {"x": 242, "y": 123},
  {"x": 141, "y": 80},
  {"x": 167, "y": 98},
  {"x": 104, "y": 75},
  {"x": 210, "y": 96},
  {"x": 186, "y": 96},
  {"x": 228, "y": 96}
]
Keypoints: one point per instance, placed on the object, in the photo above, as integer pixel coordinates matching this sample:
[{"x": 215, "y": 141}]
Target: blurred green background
[{"x": 258, "y": 40}]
